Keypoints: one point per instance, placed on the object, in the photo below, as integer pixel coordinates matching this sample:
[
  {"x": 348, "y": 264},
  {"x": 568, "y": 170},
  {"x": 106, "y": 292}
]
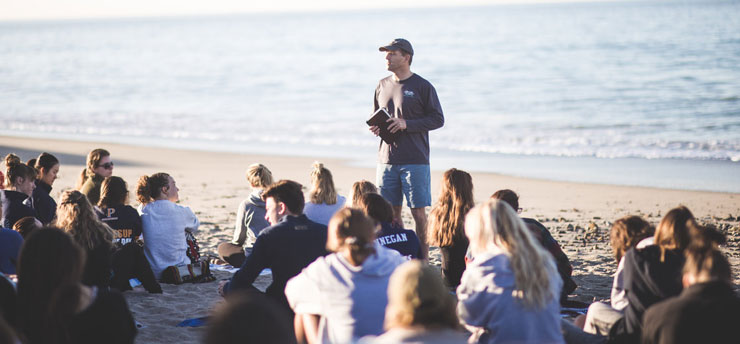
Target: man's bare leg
[
  {"x": 420, "y": 220},
  {"x": 397, "y": 220}
]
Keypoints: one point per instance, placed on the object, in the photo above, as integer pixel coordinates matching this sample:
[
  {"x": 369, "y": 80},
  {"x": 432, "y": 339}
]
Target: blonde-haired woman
[
  {"x": 510, "y": 292},
  {"x": 359, "y": 189},
  {"x": 420, "y": 308},
  {"x": 324, "y": 201},
  {"x": 98, "y": 166},
  {"x": 447, "y": 222},
  {"x": 341, "y": 297},
  {"x": 250, "y": 217},
  {"x": 76, "y": 216}
]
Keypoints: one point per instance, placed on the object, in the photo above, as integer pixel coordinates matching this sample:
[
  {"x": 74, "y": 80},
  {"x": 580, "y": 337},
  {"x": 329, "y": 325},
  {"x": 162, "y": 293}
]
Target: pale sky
[{"x": 71, "y": 9}]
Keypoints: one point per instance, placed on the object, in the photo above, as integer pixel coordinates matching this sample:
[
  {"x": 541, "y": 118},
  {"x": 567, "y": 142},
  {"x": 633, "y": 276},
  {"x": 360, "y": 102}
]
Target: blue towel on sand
[{"x": 194, "y": 322}]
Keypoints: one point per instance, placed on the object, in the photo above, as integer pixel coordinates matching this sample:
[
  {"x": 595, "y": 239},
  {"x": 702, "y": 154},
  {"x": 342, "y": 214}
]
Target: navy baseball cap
[{"x": 398, "y": 43}]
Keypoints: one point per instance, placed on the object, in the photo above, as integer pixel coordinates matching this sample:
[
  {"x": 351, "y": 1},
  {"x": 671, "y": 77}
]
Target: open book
[{"x": 379, "y": 119}]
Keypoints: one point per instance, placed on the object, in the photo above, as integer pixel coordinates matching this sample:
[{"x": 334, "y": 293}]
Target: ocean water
[{"x": 554, "y": 91}]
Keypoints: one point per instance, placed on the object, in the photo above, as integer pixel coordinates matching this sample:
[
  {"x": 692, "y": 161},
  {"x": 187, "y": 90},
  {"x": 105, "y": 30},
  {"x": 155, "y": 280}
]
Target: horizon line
[{"x": 297, "y": 10}]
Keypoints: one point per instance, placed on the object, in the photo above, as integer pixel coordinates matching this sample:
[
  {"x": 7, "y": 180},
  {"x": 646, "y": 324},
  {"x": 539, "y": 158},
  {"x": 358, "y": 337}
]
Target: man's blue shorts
[{"x": 413, "y": 181}]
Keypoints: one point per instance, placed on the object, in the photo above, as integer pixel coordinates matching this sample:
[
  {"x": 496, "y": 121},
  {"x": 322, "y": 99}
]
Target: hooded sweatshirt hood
[
  {"x": 256, "y": 198},
  {"x": 351, "y": 299}
]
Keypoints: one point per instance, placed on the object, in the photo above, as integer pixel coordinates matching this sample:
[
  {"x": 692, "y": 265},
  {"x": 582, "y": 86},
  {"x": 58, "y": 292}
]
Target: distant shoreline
[{"x": 671, "y": 174}]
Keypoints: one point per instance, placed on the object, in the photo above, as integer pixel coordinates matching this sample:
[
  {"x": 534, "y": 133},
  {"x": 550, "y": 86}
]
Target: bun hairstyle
[
  {"x": 32, "y": 163},
  {"x": 358, "y": 190},
  {"x": 150, "y": 187},
  {"x": 356, "y": 230},
  {"x": 627, "y": 232},
  {"x": 704, "y": 260},
  {"x": 44, "y": 161},
  {"x": 322, "y": 185},
  {"x": 93, "y": 161},
  {"x": 113, "y": 191},
  {"x": 259, "y": 176},
  {"x": 15, "y": 169}
]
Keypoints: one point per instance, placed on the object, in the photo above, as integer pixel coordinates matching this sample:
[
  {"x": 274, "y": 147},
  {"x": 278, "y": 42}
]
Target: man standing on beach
[{"x": 403, "y": 166}]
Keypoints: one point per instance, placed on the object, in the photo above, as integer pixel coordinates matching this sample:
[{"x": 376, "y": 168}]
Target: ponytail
[
  {"x": 355, "y": 230},
  {"x": 150, "y": 187},
  {"x": 704, "y": 260},
  {"x": 45, "y": 161},
  {"x": 323, "y": 190}
]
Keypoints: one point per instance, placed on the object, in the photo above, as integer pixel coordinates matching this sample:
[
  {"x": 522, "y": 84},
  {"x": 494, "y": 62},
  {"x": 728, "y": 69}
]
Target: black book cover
[{"x": 379, "y": 119}]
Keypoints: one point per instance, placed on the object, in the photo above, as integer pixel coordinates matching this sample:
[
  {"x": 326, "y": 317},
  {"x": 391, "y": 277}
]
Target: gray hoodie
[
  {"x": 250, "y": 219},
  {"x": 350, "y": 299}
]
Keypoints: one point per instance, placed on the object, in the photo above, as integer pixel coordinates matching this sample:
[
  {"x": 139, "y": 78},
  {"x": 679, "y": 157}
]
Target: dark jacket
[
  {"x": 125, "y": 222},
  {"x": 561, "y": 260},
  {"x": 98, "y": 266},
  {"x": 647, "y": 281},
  {"x": 43, "y": 203},
  {"x": 402, "y": 240},
  {"x": 285, "y": 248},
  {"x": 703, "y": 313},
  {"x": 106, "y": 320},
  {"x": 91, "y": 188},
  {"x": 15, "y": 209}
]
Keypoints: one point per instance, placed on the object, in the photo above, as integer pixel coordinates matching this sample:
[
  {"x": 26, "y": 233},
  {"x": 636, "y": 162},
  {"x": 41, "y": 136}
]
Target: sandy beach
[{"x": 578, "y": 215}]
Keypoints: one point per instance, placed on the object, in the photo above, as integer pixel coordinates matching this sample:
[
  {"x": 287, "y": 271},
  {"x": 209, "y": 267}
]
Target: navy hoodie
[{"x": 15, "y": 209}]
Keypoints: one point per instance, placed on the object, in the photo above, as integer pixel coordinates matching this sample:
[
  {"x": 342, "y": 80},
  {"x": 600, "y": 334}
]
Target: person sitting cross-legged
[{"x": 286, "y": 247}]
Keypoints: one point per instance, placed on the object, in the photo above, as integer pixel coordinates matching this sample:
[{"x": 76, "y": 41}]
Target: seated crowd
[{"x": 343, "y": 270}]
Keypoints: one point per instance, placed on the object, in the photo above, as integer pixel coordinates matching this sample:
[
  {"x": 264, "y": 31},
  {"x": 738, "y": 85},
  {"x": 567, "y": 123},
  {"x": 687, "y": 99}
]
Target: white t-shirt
[{"x": 163, "y": 226}]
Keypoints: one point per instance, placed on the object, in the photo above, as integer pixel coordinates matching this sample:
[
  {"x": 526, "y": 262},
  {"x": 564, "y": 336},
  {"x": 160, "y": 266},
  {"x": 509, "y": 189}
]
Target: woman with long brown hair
[
  {"x": 98, "y": 166},
  {"x": 446, "y": 227},
  {"x": 346, "y": 288},
  {"x": 55, "y": 307},
  {"x": 76, "y": 216}
]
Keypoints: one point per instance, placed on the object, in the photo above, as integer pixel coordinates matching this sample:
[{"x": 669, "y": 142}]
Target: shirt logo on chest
[{"x": 408, "y": 93}]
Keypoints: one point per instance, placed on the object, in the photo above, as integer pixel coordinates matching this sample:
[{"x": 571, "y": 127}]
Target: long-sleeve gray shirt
[{"x": 415, "y": 100}]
